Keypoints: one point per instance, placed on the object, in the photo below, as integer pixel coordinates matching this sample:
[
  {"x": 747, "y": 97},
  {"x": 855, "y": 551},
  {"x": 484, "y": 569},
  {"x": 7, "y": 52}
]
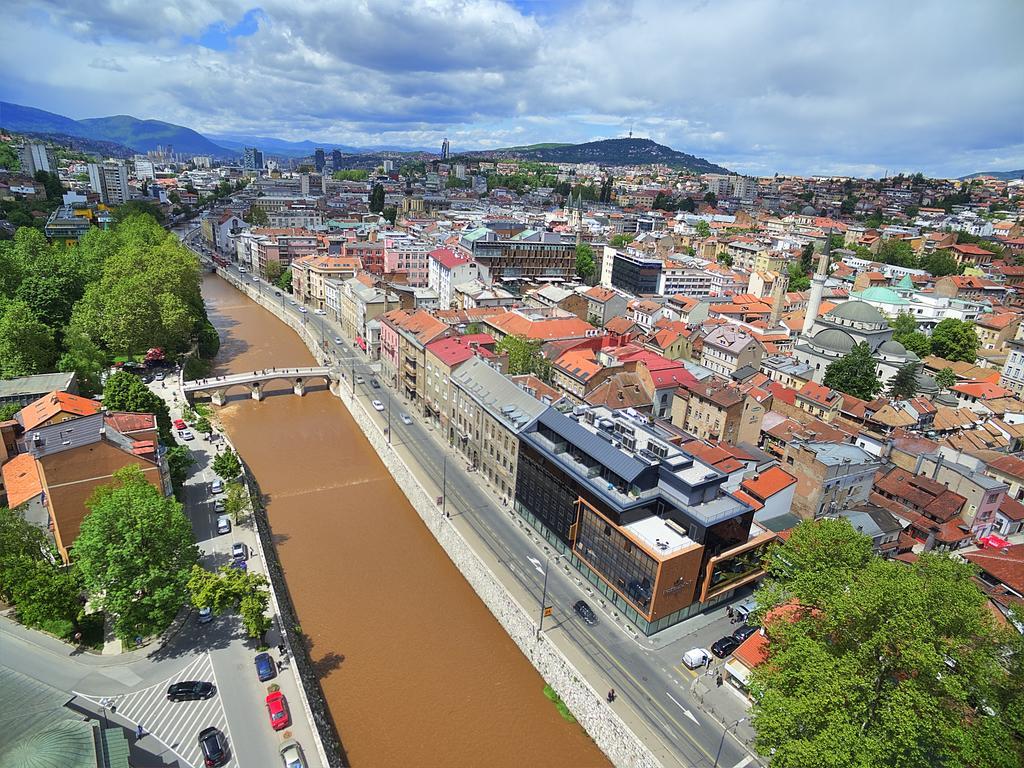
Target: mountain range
[
  {"x": 1003, "y": 175},
  {"x": 145, "y": 135}
]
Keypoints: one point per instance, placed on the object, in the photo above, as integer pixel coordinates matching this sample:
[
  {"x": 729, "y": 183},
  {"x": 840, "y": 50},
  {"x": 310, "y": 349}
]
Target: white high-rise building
[
  {"x": 144, "y": 169},
  {"x": 110, "y": 181},
  {"x": 37, "y": 157}
]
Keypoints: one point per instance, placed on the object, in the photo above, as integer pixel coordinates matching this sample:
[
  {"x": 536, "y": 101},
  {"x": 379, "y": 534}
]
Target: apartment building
[
  {"x": 309, "y": 274},
  {"x": 532, "y": 255},
  {"x": 830, "y": 476},
  {"x": 718, "y": 410},
  {"x": 361, "y": 303},
  {"x": 403, "y": 340},
  {"x": 728, "y": 348},
  {"x": 447, "y": 269},
  {"x": 486, "y": 414},
  {"x": 408, "y": 257}
]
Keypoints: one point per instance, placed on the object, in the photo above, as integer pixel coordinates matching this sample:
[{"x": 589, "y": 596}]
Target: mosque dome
[
  {"x": 832, "y": 340},
  {"x": 857, "y": 312}
]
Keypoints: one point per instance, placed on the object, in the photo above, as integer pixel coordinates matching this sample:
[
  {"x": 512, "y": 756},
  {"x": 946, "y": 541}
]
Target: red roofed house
[
  {"x": 62, "y": 461},
  {"x": 445, "y": 270},
  {"x": 970, "y": 255},
  {"x": 403, "y": 340},
  {"x": 55, "y": 408},
  {"x": 540, "y": 324},
  {"x": 770, "y": 493},
  {"x": 442, "y": 357},
  {"x": 715, "y": 409},
  {"x": 661, "y": 377}
]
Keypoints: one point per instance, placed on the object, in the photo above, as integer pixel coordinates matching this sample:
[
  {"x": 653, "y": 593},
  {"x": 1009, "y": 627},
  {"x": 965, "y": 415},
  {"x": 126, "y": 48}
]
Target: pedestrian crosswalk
[{"x": 175, "y": 724}]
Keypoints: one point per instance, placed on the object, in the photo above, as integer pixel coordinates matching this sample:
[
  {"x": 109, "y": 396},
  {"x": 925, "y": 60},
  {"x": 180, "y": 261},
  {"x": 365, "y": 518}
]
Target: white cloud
[{"x": 787, "y": 86}]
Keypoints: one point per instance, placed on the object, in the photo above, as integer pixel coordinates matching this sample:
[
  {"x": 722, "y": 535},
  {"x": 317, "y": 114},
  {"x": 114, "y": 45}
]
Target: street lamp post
[
  {"x": 722, "y": 742},
  {"x": 389, "y": 418},
  {"x": 543, "y": 598},
  {"x": 444, "y": 485}
]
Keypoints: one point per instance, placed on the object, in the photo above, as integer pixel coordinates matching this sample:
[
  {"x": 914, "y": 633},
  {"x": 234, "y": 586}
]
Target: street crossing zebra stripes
[{"x": 175, "y": 724}]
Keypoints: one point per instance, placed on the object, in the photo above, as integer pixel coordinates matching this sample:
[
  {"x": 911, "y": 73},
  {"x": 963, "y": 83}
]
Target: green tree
[
  {"x": 47, "y": 593},
  {"x": 357, "y": 174},
  {"x": 51, "y": 287},
  {"x": 703, "y": 229},
  {"x": 945, "y": 378},
  {"x": 203, "y": 425},
  {"x": 135, "y": 551},
  {"x": 230, "y": 590},
  {"x": 52, "y": 184},
  {"x": 179, "y": 459},
  {"x": 807, "y": 258},
  {"x": 711, "y": 199},
  {"x": 390, "y": 213},
  {"x": 19, "y": 540},
  {"x": 954, "y": 339},
  {"x": 621, "y": 240},
  {"x": 136, "y": 208},
  {"x": 284, "y": 282},
  {"x": 917, "y": 343},
  {"x": 878, "y": 663},
  {"x": 10, "y": 269},
  {"x": 7, "y": 411},
  {"x": 941, "y": 263},
  {"x": 226, "y": 464},
  {"x": 377, "y": 199},
  {"x": 236, "y": 500},
  {"x": 854, "y": 373},
  {"x": 904, "y": 384},
  {"x": 725, "y": 259},
  {"x": 256, "y": 216},
  {"x": 903, "y": 325},
  {"x": 253, "y": 610},
  {"x": 523, "y": 356},
  {"x": 208, "y": 341},
  {"x": 124, "y": 391},
  {"x": 26, "y": 344},
  {"x": 687, "y": 204},
  {"x": 83, "y": 356},
  {"x": 274, "y": 271},
  {"x": 898, "y": 253},
  {"x": 798, "y": 280},
  {"x": 585, "y": 267}
]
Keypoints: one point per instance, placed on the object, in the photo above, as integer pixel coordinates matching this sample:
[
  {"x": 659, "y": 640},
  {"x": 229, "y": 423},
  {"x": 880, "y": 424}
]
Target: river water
[{"x": 416, "y": 670}]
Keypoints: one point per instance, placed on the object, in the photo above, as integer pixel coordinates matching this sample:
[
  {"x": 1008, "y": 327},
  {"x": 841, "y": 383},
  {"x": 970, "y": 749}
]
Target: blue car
[{"x": 265, "y": 668}]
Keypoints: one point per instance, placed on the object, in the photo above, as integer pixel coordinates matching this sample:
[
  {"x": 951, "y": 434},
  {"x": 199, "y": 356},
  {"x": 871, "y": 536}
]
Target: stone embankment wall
[{"x": 587, "y": 705}]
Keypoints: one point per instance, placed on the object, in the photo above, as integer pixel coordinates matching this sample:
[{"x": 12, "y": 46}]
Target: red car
[
  {"x": 180, "y": 424},
  {"x": 277, "y": 707}
]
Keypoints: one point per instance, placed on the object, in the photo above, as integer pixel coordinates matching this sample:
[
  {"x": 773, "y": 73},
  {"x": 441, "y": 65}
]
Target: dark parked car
[
  {"x": 745, "y": 631},
  {"x": 724, "y": 646},
  {"x": 585, "y": 612},
  {"x": 374, "y": 383},
  {"x": 215, "y": 748},
  {"x": 189, "y": 690},
  {"x": 265, "y": 668}
]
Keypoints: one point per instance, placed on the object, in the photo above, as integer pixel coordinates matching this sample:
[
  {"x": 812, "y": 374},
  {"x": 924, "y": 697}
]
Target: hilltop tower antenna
[{"x": 631, "y": 130}]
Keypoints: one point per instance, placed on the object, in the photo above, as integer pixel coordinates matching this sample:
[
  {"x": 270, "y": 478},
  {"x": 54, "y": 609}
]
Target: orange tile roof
[
  {"x": 547, "y": 328},
  {"x": 768, "y": 483},
  {"x": 21, "y": 478},
  {"x": 48, "y": 406}
]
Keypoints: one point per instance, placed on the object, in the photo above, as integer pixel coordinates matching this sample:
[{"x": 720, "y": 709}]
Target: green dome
[
  {"x": 882, "y": 295},
  {"x": 832, "y": 340}
]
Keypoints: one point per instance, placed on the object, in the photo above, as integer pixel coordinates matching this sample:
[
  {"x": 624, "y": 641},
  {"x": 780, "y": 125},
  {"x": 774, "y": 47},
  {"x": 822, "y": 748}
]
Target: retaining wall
[{"x": 587, "y": 705}]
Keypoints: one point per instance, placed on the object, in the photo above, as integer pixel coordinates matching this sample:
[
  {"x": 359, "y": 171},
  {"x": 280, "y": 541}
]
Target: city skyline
[{"x": 756, "y": 88}]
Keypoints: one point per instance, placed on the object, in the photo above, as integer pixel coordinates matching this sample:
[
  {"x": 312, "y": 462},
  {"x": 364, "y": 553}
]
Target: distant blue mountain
[
  {"x": 274, "y": 146},
  {"x": 140, "y": 135}
]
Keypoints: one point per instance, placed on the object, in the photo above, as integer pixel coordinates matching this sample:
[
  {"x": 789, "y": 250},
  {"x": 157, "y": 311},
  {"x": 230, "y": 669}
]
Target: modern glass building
[{"x": 647, "y": 523}]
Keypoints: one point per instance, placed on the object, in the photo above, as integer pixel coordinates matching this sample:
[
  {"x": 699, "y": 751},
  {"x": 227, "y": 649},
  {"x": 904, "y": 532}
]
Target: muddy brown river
[{"x": 415, "y": 669}]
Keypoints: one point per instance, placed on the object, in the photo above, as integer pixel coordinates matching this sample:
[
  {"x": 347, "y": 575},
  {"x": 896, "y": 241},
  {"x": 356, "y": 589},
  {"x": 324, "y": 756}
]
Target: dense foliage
[
  {"x": 524, "y": 357},
  {"x": 135, "y": 551},
  {"x": 117, "y": 292},
  {"x": 585, "y": 267},
  {"x": 954, "y": 340},
  {"x": 854, "y": 373},
  {"x": 874, "y": 663},
  {"x": 124, "y": 391}
]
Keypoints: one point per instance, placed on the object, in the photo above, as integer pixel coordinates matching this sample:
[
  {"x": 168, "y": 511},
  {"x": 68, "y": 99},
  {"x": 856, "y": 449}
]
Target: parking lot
[{"x": 176, "y": 725}]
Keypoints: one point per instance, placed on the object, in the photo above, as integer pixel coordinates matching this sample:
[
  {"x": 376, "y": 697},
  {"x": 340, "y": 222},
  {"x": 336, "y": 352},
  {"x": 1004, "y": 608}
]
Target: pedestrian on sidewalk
[{"x": 729, "y": 613}]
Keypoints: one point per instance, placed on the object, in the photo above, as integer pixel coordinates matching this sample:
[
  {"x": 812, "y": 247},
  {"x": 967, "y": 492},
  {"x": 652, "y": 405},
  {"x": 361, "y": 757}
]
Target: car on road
[
  {"x": 359, "y": 379},
  {"x": 161, "y": 376},
  {"x": 724, "y": 646},
  {"x": 405, "y": 419},
  {"x": 585, "y": 612},
  {"x": 216, "y": 487},
  {"x": 223, "y": 524},
  {"x": 291, "y": 755},
  {"x": 239, "y": 565},
  {"x": 374, "y": 383},
  {"x": 337, "y": 340},
  {"x": 189, "y": 690},
  {"x": 186, "y": 434},
  {"x": 277, "y": 708},
  {"x": 205, "y": 616},
  {"x": 219, "y": 505},
  {"x": 242, "y": 270},
  {"x": 696, "y": 657},
  {"x": 377, "y": 404},
  {"x": 292, "y": 302},
  {"x": 745, "y": 631},
  {"x": 180, "y": 424},
  {"x": 240, "y": 551},
  {"x": 319, "y": 312},
  {"x": 277, "y": 293},
  {"x": 303, "y": 310},
  {"x": 255, "y": 279},
  {"x": 214, "y": 747},
  {"x": 265, "y": 669}
]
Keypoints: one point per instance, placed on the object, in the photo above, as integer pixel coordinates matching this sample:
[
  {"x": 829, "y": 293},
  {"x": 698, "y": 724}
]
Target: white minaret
[{"x": 818, "y": 285}]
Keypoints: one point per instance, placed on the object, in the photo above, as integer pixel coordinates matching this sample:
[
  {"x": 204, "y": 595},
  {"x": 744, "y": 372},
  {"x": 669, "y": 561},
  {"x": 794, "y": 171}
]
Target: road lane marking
[
  {"x": 687, "y": 712},
  {"x": 745, "y": 761}
]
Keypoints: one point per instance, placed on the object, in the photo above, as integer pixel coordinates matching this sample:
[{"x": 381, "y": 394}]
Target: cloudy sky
[{"x": 756, "y": 85}]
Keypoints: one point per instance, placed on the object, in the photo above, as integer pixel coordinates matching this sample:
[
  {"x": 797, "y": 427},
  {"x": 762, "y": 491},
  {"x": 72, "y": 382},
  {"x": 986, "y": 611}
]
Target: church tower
[{"x": 818, "y": 285}]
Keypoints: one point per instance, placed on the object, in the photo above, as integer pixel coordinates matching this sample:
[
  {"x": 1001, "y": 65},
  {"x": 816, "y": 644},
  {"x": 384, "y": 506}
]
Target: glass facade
[
  {"x": 623, "y": 564},
  {"x": 542, "y": 489}
]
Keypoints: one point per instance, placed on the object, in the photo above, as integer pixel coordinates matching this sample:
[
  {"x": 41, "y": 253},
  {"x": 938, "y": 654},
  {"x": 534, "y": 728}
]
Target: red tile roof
[
  {"x": 21, "y": 478},
  {"x": 1006, "y": 565},
  {"x": 447, "y": 258},
  {"x": 48, "y": 406}
]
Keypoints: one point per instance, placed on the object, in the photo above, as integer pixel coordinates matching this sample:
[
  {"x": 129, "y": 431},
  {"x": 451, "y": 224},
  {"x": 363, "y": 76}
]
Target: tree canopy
[
  {"x": 126, "y": 392},
  {"x": 703, "y": 229},
  {"x": 904, "y": 384},
  {"x": 798, "y": 280},
  {"x": 898, "y": 253},
  {"x": 136, "y": 552},
  {"x": 231, "y": 589},
  {"x": 941, "y": 263},
  {"x": 954, "y": 340},
  {"x": 524, "y": 357},
  {"x": 585, "y": 267},
  {"x": 227, "y": 465},
  {"x": 377, "y": 199},
  {"x": 854, "y": 373},
  {"x": 874, "y": 663}
]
